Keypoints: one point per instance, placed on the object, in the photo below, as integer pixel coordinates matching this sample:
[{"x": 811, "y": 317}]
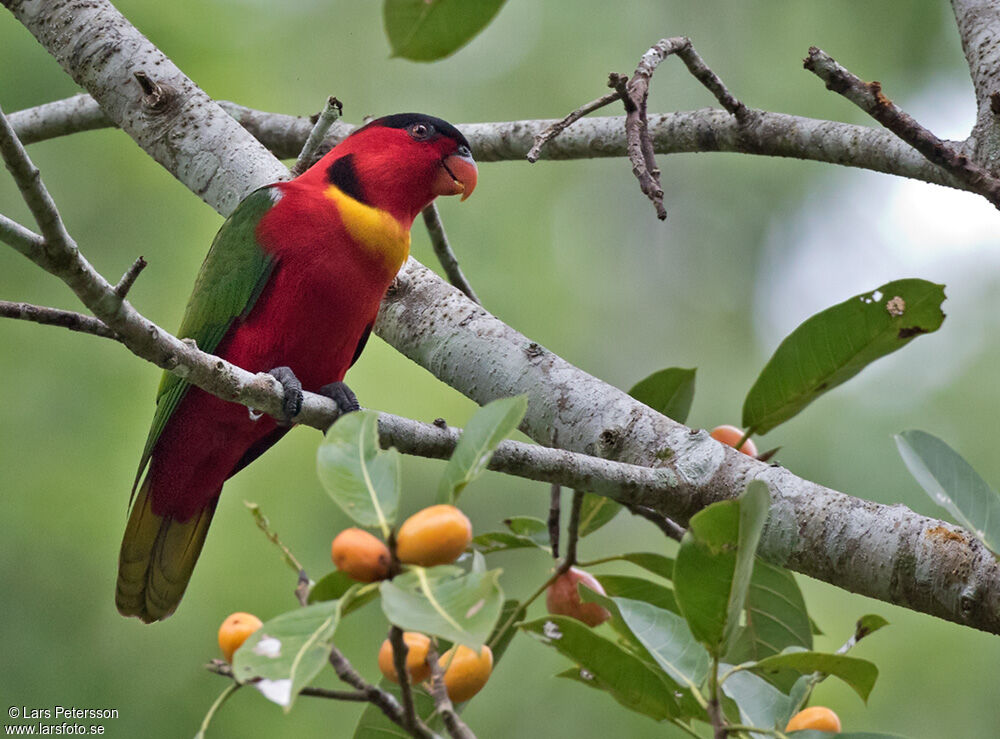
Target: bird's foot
[
  {"x": 344, "y": 398},
  {"x": 292, "y": 403}
]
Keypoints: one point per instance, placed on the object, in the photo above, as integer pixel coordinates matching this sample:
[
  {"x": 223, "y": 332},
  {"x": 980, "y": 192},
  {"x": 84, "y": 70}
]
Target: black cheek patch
[{"x": 344, "y": 176}]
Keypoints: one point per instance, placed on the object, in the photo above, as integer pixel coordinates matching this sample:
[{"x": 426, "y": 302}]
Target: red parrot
[{"x": 291, "y": 286}]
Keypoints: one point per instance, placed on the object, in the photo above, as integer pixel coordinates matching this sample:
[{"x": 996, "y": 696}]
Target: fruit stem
[{"x": 522, "y": 609}]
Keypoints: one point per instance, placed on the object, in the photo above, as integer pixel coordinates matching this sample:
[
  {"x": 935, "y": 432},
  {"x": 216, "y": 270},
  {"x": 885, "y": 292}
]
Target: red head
[{"x": 400, "y": 163}]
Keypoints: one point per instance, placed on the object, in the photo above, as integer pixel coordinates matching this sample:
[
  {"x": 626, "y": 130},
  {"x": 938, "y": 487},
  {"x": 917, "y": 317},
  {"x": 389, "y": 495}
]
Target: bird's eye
[{"x": 421, "y": 131}]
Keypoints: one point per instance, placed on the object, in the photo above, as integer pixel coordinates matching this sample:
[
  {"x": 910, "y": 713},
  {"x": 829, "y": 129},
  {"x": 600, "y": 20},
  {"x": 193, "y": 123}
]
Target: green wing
[{"x": 229, "y": 283}]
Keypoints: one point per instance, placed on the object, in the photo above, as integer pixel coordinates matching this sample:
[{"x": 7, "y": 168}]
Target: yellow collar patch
[{"x": 373, "y": 228}]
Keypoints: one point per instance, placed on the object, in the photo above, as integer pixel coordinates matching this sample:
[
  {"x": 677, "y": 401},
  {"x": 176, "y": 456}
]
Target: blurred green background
[{"x": 568, "y": 253}]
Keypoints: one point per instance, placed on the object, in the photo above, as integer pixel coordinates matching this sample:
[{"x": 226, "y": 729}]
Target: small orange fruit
[
  {"x": 818, "y": 718},
  {"x": 235, "y": 630},
  {"x": 563, "y": 599},
  {"x": 730, "y": 435},
  {"x": 466, "y": 672},
  {"x": 434, "y": 536},
  {"x": 416, "y": 658},
  {"x": 360, "y": 556}
]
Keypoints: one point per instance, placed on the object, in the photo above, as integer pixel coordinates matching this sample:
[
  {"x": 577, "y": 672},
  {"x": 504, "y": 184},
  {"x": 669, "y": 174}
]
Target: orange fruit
[
  {"x": 730, "y": 435},
  {"x": 563, "y": 599},
  {"x": 818, "y": 718},
  {"x": 416, "y": 658},
  {"x": 360, "y": 556},
  {"x": 434, "y": 536},
  {"x": 465, "y": 671},
  {"x": 235, "y": 630}
]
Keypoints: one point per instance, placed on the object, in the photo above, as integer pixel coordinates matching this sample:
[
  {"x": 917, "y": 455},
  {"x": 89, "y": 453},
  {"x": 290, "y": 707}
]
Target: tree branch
[
  {"x": 869, "y": 97},
  {"x": 978, "y": 24},
  {"x": 444, "y": 253},
  {"x": 457, "y": 728},
  {"x": 886, "y": 552},
  {"x": 709, "y": 129},
  {"x": 56, "y": 317}
]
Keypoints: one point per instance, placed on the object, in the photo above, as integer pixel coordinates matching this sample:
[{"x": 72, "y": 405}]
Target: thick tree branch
[
  {"x": 979, "y": 29},
  {"x": 886, "y": 552},
  {"x": 708, "y": 129}
]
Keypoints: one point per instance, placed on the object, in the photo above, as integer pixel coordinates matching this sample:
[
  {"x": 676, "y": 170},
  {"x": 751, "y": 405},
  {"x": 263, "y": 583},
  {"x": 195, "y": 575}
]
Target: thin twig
[
  {"x": 561, "y": 125},
  {"x": 869, "y": 97},
  {"x": 56, "y": 317},
  {"x": 456, "y": 728},
  {"x": 572, "y": 532},
  {"x": 219, "y": 667},
  {"x": 399, "y": 653},
  {"x": 634, "y": 93},
  {"x": 555, "y": 500},
  {"x": 444, "y": 253},
  {"x": 382, "y": 700},
  {"x": 326, "y": 118},
  {"x": 668, "y": 526},
  {"x": 23, "y": 239},
  {"x": 128, "y": 279},
  {"x": 29, "y": 181}
]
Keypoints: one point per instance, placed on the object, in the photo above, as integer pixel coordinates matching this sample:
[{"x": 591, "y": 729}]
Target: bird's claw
[
  {"x": 291, "y": 404},
  {"x": 344, "y": 398}
]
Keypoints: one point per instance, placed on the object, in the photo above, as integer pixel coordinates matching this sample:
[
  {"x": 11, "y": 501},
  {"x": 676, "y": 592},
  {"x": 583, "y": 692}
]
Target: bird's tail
[{"x": 157, "y": 557}]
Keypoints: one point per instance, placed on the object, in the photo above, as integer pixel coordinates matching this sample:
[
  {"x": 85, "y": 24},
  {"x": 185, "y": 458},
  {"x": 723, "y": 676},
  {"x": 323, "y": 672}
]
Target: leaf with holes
[
  {"x": 834, "y": 345},
  {"x": 360, "y": 477},
  {"x": 285, "y": 653}
]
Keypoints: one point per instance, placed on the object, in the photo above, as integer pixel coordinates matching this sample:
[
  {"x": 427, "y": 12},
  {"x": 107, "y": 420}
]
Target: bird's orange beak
[{"x": 457, "y": 176}]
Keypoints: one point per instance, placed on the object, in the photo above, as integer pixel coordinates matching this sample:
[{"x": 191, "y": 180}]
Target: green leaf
[
  {"x": 501, "y": 541},
  {"x": 490, "y": 425},
  {"x": 284, "y": 654},
  {"x": 953, "y": 484},
  {"x": 330, "y": 587},
  {"x": 776, "y": 618},
  {"x": 338, "y": 585},
  {"x": 639, "y": 588},
  {"x": 667, "y": 638},
  {"x": 425, "y": 30},
  {"x": 596, "y": 511},
  {"x": 837, "y": 343},
  {"x": 868, "y": 625},
  {"x": 860, "y": 674},
  {"x": 435, "y": 601},
  {"x": 760, "y": 704},
  {"x": 715, "y": 563},
  {"x": 361, "y": 478},
  {"x": 528, "y": 526},
  {"x": 669, "y": 391},
  {"x": 655, "y": 563},
  {"x": 628, "y": 679}
]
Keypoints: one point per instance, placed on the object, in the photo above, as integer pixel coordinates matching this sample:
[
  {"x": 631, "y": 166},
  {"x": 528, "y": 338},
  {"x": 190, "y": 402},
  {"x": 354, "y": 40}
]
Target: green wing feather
[{"x": 230, "y": 281}]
